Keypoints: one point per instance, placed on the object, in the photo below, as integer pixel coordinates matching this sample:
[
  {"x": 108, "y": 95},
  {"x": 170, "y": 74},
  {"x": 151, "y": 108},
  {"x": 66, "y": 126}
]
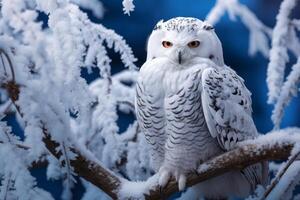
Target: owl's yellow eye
[
  {"x": 194, "y": 44},
  {"x": 167, "y": 44}
]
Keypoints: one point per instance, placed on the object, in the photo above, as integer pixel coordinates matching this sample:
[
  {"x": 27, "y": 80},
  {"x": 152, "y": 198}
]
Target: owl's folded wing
[{"x": 227, "y": 107}]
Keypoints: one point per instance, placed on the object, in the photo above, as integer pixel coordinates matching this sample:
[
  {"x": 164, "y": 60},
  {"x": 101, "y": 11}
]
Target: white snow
[
  {"x": 128, "y": 6},
  {"x": 279, "y": 51},
  {"x": 259, "y": 33},
  {"x": 287, "y": 183},
  {"x": 95, "y": 6},
  {"x": 136, "y": 190},
  {"x": 289, "y": 89}
]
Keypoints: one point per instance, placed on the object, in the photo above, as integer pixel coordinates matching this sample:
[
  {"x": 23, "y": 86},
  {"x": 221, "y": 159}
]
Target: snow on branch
[
  {"x": 286, "y": 180},
  {"x": 16, "y": 180},
  {"x": 289, "y": 89},
  {"x": 48, "y": 63},
  {"x": 259, "y": 33},
  {"x": 95, "y": 6},
  {"x": 279, "y": 51},
  {"x": 128, "y": 6}
]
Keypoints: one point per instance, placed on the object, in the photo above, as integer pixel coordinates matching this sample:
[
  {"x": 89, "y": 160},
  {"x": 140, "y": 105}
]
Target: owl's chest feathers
[
  {"x": 169, "y": 80},
  {"x": 176, "y": 95}
]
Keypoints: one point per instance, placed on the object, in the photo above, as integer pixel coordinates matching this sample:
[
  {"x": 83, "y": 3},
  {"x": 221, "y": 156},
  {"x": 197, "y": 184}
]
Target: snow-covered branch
[
  {"x": 279, "y": 51},
  {"x": 259, "y": 33},
  {"x": 289, "y": 89},
  {"x": 274, "y": 146}
]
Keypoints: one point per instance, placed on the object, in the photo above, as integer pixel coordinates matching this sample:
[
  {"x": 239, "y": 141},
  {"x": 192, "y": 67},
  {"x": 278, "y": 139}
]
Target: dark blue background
[{"x": 233, "y": 35}]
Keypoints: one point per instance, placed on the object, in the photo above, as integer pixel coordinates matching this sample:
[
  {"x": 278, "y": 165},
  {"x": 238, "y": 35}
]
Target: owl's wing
[{"x": 227, "y": 107}]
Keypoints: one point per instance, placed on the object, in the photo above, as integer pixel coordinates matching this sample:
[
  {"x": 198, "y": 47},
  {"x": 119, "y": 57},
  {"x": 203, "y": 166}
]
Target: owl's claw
[
  {"x": 181, "y": 182},
  {"x": 164, "y": 176}
]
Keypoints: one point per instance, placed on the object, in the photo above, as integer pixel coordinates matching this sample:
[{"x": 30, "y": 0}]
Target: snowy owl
[{"x": 191, "y": 107}]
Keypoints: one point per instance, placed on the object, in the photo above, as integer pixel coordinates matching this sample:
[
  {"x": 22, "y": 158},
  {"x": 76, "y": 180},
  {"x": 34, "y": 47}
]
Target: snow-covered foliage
[
  {"x": 288, "y": 90},
  {"x": 47, "y": 64},
  {"x": 16, "y": 180},
  {"x": 259, "y": 33},
  {"x": 128, "y": 6},
  {"x": 283, "y": 36}
]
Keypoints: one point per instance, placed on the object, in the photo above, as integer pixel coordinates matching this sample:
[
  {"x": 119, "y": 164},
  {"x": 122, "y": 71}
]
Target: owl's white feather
[{"x": 191, "y": 107}]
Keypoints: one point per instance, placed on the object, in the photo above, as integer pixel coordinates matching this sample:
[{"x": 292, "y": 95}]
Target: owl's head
[{"x": 183, "y": 40}]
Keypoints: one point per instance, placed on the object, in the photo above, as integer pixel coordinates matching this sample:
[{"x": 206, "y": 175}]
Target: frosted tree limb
[
  {"x": 259, "y": 33},
  {"x": 289, "y": 89},
  {"x": 276, "y": 147},
  {"x": 84, "y": 167},
  {"x": 236, "y": 159},
  {"x": 279, "y": 51}
]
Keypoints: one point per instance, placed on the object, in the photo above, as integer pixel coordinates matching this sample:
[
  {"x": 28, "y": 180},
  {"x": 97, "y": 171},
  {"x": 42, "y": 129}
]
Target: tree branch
[
  {"x": 104, "y": 179},
  {"x": 236, "y": 159},
  {"x": 87, "y": 169},
  {"x": 84, "y": 167}
]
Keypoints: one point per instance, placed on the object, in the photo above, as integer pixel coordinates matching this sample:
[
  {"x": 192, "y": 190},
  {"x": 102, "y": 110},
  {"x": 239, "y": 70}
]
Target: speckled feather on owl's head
[
  {"x": 184, "y": 39},
  {"x": 180, "y": 24}
]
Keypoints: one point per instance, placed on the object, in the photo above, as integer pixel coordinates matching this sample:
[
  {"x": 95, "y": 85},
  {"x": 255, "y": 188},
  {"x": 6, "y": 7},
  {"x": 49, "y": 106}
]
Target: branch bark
[{"x": 105, "y": 180}]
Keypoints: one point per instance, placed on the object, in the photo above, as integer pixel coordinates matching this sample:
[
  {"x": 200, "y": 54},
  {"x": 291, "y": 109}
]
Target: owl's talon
[
  {"x": 164, "y": 177},
  {"x": 181, "y": 182}
]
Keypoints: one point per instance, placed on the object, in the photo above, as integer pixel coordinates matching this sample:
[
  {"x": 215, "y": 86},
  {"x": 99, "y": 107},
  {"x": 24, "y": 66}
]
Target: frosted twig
[
  {"x": 276, "y": 180},
  {"x": 259, "y": 33},
  {"x": 289, "y": 89},
  {"x": 278, "y": 53}
]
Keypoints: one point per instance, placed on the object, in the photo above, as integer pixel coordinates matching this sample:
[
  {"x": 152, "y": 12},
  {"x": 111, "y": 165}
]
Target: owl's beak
[{"x": 179, "y": 57}]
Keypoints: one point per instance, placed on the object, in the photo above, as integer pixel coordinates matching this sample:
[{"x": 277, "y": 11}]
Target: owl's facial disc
[{"x": 183, "y": 41}]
